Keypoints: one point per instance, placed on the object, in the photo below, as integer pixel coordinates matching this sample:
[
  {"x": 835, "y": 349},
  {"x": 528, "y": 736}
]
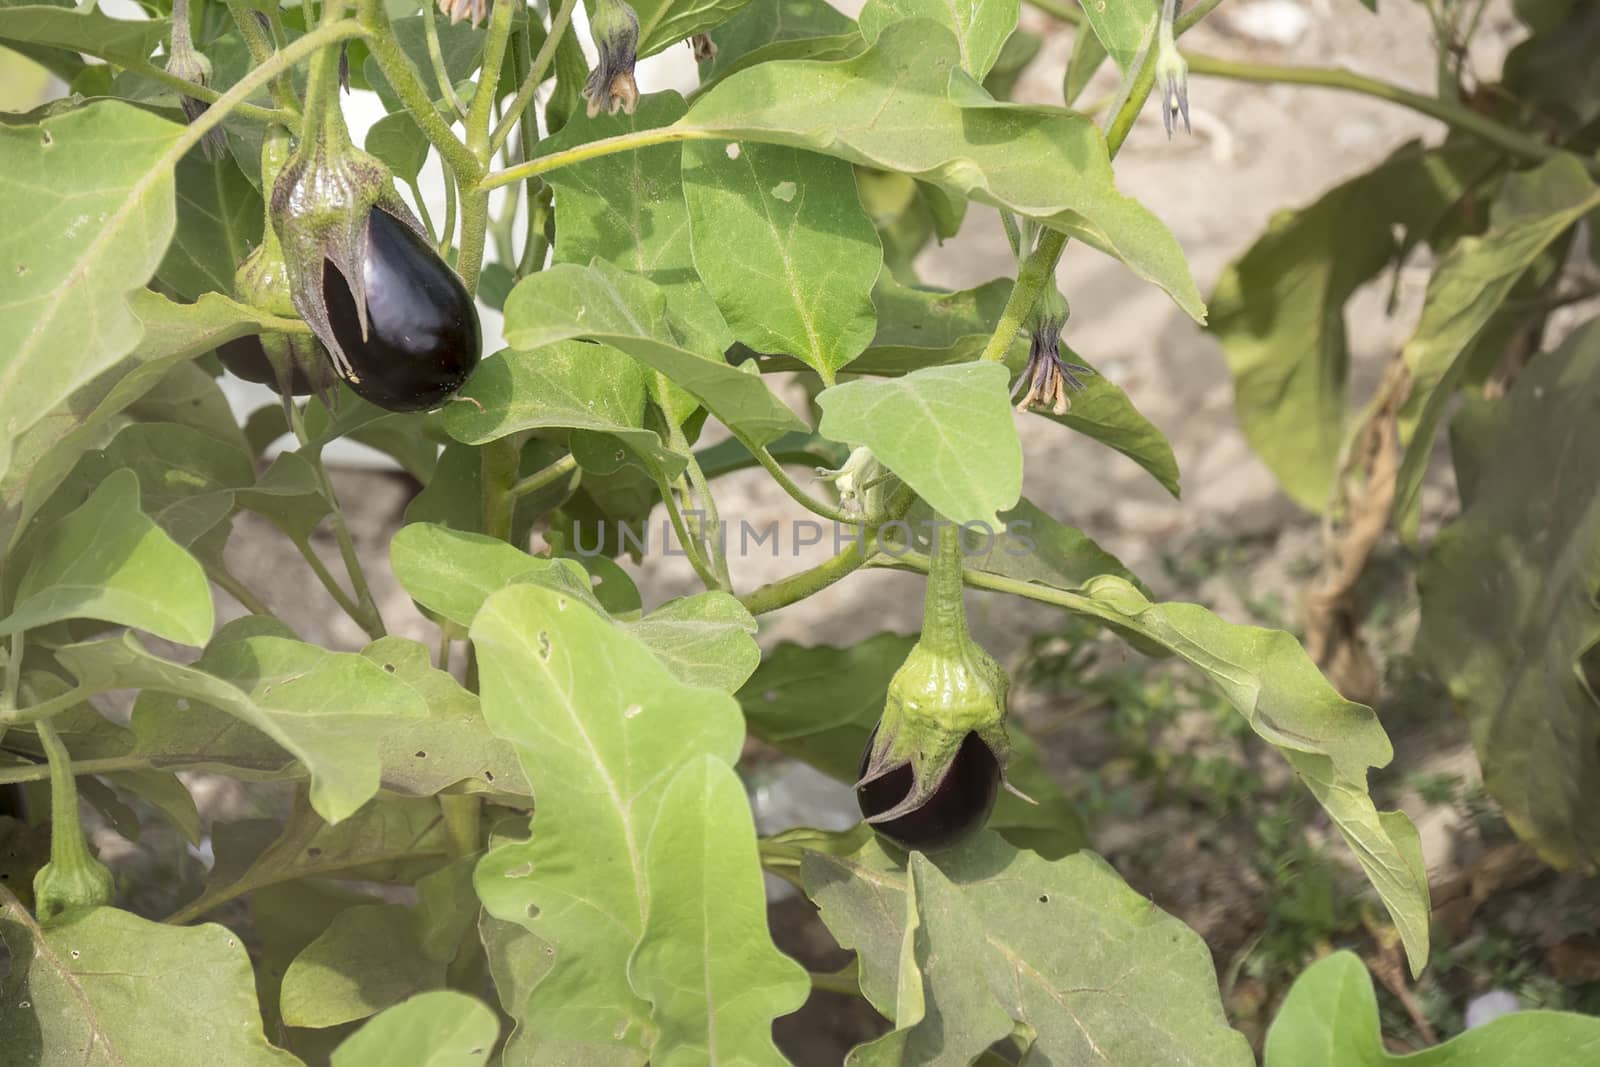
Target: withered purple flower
[
  {"x": 1048, "y": 380},
  {"x": 611, "y": 87}
]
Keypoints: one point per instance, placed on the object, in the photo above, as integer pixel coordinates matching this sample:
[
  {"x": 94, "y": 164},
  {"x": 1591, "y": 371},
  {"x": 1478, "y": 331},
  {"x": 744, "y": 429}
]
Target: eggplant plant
[{"x": 527, "y": 840}]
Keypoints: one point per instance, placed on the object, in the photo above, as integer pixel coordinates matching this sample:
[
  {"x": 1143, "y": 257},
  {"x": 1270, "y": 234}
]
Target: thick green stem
[
  {"x": 403, "y": 78},
  {"x": 261, "y": 49},
  {"x": 474, "y": 235},
  {"x": 200, "y": 92},
  {"x": 500, "y": 460},
  {"x": 535, "y": 75},
  {"x": 441, "y": 75},
  {"x": 463, "y": 820},
  {"x": 536, "y": 481},
  {"x": 1464, "y": 119},
  {"x": 812, "y": 580},
  {"x": 494, "y": 56},
  {"x": 323, "y": 115},
  {"x": 944, "y": 616}
]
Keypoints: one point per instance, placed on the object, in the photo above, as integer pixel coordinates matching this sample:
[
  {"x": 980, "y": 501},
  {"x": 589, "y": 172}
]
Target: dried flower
[{"x": 616, "y": 34}]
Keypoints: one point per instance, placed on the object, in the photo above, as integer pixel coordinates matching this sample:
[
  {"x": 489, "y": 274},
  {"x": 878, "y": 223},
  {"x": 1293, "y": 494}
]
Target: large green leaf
[
  {"x": 705, "y": 959},
  {"x": 1086, "y": 966},
  {"x": 948, "y": 432},
  {"x": 764, "y": 22},
  {"x": 980, "y": 27},
  {"x": 172, "y": 333},
  {"x": 1279, "y": 309},
  {"x": 1124, "y": 28},
  {"x": 107, "y": 560},
  {"x": 707, "y": 639},
  {"x": 329, "y": 709},
  {"x": 889, "y": 109},
  {"x": 1470, "y": 284},
  {"x": 1330, "y": 1019},
  {"x": 605, "y": 304},
  {"x": 601, "y": 727},
  {"x": 1511, "y": 600},
  {"x": 782, "y": 243},
  {"x": 123, "y": 41},
  {"x": 75, "y": 249},
  {"x": 107, "y": 987},
  {"x": 568, "y": 384},
  {"x": 819, "y": 704},
  {"x": 452, "y": 748},
  {"x": 218, "y": 223},
  {"x": 1329, "y": 741},
  {"x": 438, "y": 1029}
]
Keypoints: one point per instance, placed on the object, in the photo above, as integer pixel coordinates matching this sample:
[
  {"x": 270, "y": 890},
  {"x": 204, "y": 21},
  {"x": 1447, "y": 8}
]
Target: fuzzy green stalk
[{"x": 74, "y": 878}]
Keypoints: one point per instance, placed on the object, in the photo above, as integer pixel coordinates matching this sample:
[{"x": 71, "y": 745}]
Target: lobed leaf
[
  {"x": 1083, "y": 965},
  {"x": 107, "y": 987},
  {"x": 889, "y": 108},
  {"x": 601, "y": 727}
]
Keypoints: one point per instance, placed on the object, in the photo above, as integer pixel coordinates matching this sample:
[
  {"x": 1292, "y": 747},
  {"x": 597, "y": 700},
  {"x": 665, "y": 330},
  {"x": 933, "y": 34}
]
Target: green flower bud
[
  {"x": 190, "y": 64},
  {"x": 615, "y": 27},
  {"x": 863, "y": 483},
  {"x": 73, "y": 879},
  {"x": 942, "y": 735}
]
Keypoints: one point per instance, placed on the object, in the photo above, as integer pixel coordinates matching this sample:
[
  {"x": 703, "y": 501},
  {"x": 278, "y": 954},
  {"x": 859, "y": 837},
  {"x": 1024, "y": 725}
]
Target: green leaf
[
  {"x": 451, "y": 573},
  {"x": 1088, "y": 54},
  {"x": 367, "y": 959},
  {"x": 1329, "y": 741},
  {"x": 75, "y": 252},
  {"x": 666, "y": 22},
  {"x": 705, "y": 959},
  {"x": 399, "y": 143},
  {"x": 707, "y": 639},
  {"x": 439, "y": 1029},
  {"x": 600, "y": 726},
  {"x": 126, "y": 42},
  {"x": 819, "y": 704},
  {"x": 764, "y": 22},
  {"x": 110, "y": 987},
  {"x": 172, "y": 334},
  {"x": 889, "y": 109},
  {"x": 1125, "y": 28},
  {"x": 928, "y": 327},
  {"x": 948, "y": 432},
  {"x": 1330, "y": 1019},
  {"x": 1086, "y": 966},
  {"x": 569, "y": 384},
  {"x": 1032, "y": 546},
  {"x": 329, "y": 709},
  {"x": 782, "y": 243},
  {"x": 1511, "y": 600},
  {"x": 518, "y": 961},
  {"x": 390, "y": 839},
  {"x": 107, "y": 560},
  {"x": 1471, "y": 282},
  {"x": 1279, "y": 309},
  {"x": 219, "y": 219},
  {"x": 602, "y": 303},
  {"x": 450, "y": 749},
  {"x": 1101, "y": 410},
  {"x": 980, "y": 27}
]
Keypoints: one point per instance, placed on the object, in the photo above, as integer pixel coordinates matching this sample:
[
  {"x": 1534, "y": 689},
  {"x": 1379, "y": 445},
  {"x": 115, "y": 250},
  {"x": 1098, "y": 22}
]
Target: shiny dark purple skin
[
  {"x": 956, "y": 810},
  {"x": 422, "y": 329},
  {"x": 245, "y": 358}
]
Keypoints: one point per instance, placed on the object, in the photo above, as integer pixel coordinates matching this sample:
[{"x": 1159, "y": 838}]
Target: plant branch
[
  {"x": 790, "y": 486},
  {"x": 402, "y": 77},
  {"x": 280, "y": 116},
  {"x": 441, "y": 74},
  {"x": 606, "y": 146},
  {"x": 261, "y": 49},
  {"x": 481, "y": 111},
  {"x": 691, "y": 547},
  {"x": 541, "y": 478},
  {"x": 536, "y": 73}
]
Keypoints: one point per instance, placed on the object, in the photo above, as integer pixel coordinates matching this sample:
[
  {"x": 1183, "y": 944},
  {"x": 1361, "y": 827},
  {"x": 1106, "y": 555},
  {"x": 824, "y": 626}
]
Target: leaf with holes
[{"x": 601, "y": 727}]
